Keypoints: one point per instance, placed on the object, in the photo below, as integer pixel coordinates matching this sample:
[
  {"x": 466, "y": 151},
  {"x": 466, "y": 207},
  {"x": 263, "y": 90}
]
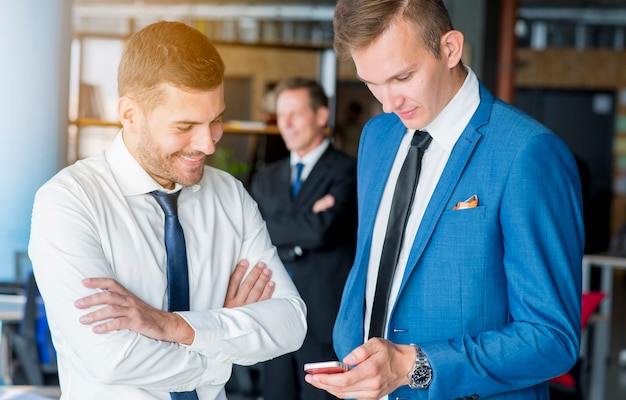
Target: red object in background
[{"x": 590, "y": 302}]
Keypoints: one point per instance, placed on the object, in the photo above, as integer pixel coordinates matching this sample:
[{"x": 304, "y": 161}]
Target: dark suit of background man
[{"x": 314, "y": 230}]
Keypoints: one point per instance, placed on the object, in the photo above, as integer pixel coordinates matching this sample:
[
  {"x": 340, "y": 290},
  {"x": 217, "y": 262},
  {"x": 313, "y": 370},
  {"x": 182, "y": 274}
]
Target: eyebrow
[
  {"x": 188, "y": 122},
  {"x": 220, "y": 115},
  {"x": 407, "y": 70}
]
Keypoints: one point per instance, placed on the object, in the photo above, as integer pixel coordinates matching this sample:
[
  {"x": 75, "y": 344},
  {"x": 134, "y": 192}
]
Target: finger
[
  {"x": 110, "y": 326},
  {"x": 268, "y": 291},
  {"x": 337, "y": 389},
  {"x": 114, "y": 316},
  {"x": 102, "y": 283},
  {"x": 324, "y": 203},
  {"x": 358, "y": 355},
  {"x": 258, "y": 288},
  {"x": 104, "y": 328},
  {"x": 316, "y": 207},
  {"x": 107, "y": 297},
  {"x": 99, "y": 315},
  {"x": 349, "y": 385},
  {"x": 329, "y": 200},
  {"x": 249, "y": 283},
  {"x": 235, "y": 278}
]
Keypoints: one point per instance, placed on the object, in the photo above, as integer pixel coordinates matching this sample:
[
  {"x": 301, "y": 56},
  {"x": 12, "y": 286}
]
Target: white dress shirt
[
  {"x": 95, "y": 219},
  {"x": 309, "y": 160},
  {"x": 445, "y": 130}
]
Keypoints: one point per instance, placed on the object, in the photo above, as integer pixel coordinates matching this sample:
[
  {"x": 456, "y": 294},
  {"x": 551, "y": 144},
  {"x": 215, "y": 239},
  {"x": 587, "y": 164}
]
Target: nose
[
  {"x": 283, "y": 121},
  {"x": 206, "y": 138},
  {"x": 388, "y": 99}
]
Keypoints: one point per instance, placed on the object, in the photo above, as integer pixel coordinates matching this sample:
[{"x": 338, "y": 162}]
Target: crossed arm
[
  {"x": 124, "y": 310},
  {"x": 323, "y": 203}
]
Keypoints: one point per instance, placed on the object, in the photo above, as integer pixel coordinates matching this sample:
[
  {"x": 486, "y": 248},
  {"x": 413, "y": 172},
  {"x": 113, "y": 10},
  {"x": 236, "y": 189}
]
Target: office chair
[
  {"x": 35, "y": 357},
  {"x": 569, "y": 385}
]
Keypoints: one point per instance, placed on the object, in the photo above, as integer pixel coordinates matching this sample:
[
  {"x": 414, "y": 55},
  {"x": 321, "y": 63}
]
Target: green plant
[{"x": 223, "y": 159}]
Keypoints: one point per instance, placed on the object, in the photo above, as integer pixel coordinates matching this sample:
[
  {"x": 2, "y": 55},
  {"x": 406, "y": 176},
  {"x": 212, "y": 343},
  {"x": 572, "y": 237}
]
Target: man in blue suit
[{"x": 484, "y": 302}]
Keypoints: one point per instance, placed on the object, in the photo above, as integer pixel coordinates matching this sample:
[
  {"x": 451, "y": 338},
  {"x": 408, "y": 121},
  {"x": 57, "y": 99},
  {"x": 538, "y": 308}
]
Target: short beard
[{"x": 158, "y": 163}]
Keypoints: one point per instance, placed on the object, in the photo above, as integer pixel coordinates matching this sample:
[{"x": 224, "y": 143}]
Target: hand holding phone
[{"x": 325, "y": 367}]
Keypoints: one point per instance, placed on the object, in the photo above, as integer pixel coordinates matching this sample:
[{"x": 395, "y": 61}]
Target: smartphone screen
[{"x": 325, "y": 367}]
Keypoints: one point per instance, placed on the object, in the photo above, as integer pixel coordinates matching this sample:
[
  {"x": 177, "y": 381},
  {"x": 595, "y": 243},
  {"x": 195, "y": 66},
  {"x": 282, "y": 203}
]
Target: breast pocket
[
  {"x": 467, "y": 217},
  {"x": 465, "y": 233}
]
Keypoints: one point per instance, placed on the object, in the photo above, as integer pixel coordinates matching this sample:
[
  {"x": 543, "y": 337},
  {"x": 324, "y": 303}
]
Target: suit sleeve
[
  {"x": 540, "y": 218},
  {"x": 296, "y": 225}
]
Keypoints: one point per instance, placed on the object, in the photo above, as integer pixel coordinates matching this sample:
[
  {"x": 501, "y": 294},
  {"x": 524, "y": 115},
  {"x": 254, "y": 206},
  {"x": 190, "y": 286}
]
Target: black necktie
[
  {"x": 398, "y": 217},
  {"x": 298, "y": 181},
  {"x": 177, "y": 273}
]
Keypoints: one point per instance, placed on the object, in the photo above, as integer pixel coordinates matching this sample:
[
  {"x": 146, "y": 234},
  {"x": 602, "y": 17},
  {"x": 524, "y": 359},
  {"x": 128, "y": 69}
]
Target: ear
[
  {"x": 322, "y": 116},
  {"x": 127, "y": 112},
  {"x": 452, "y": 47}
]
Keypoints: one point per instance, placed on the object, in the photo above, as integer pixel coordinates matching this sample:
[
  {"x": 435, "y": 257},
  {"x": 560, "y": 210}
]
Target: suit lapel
[
  {"x": 282, "y": 184},
  {"x": 450, "y": 176},
  {"x": 380, "y": 143},
  {"x": 319, "y": 172},
  {"x": 373, "y": 178}
]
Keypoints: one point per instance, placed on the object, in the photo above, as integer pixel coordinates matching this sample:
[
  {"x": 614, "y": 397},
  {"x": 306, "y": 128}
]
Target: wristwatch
[{"x": 422, "y": 374}]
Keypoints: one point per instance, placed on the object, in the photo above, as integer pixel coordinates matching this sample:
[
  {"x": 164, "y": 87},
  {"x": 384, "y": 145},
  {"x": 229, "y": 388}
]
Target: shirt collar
[
  {"x": 312, "y": 156},
  {"x": 132, "y": 179},
  {"x": 448, "y": 126}
]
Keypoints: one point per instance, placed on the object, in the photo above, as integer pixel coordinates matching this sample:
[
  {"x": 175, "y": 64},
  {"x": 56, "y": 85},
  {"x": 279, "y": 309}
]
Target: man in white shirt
[{"x": 97, "y": 242}]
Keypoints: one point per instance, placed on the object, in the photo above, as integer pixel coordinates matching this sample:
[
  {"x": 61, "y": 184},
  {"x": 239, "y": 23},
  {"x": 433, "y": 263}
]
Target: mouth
[
  {"x": 192, "y": 161},
  {"x": 406, "y": 114}
]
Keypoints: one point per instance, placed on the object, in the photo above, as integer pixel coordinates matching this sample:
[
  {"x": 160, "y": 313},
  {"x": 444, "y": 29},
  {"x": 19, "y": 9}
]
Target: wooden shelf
[
  {"x": 295, "y": 45},
  {"x": 229, "y": 127},
  {"x": 83, "y": 122}
]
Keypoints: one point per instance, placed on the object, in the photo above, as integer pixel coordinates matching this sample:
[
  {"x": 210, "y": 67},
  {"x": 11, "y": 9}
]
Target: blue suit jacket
[{"x": 492, "y": 294}]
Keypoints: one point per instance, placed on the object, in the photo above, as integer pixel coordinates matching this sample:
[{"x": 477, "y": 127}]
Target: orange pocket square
[{"x": 469, "y": 203}]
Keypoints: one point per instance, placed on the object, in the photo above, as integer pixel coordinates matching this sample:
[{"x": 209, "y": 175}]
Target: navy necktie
[
  {"x": 177, "y": 273},
  {"x": 298, "y": 181},
  {"x": 398, "y": 217}
]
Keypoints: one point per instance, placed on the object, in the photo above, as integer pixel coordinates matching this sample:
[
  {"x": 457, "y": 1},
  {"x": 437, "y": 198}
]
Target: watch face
[{"x": 421, "y": 376}]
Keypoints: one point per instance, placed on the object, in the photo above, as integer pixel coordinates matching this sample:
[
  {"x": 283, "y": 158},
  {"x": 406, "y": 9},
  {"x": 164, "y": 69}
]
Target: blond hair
[
  {"x": 167, "y": 53},
  {"x": 357, "y": 23}
]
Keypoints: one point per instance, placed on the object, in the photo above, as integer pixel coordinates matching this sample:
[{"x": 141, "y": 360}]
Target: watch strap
[{"x": 422, "y": 374}]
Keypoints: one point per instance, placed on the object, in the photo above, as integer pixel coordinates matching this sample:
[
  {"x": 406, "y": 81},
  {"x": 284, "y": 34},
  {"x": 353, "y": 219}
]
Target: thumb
[{"x": 358, "y": 355}]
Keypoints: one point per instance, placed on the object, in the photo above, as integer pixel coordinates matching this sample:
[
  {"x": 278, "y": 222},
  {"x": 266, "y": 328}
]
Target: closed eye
[{"x": 184, "y": 128}]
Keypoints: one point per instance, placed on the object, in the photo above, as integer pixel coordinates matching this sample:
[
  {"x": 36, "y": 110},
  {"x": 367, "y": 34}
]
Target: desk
[
  {"x": 11, "y": 307},
  {"x": 11, "y": 311},
  {"x": 601, "y": 343},
  {"x": 29, "y": 392}
]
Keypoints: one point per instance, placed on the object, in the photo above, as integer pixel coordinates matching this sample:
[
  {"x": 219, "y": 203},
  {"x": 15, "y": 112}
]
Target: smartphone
[{"x": 325, "y": 367}]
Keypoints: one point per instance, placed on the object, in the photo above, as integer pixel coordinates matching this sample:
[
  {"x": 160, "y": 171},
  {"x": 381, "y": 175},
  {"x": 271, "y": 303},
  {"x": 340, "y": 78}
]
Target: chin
[
  {"x": 191, "y": 178},
  {"x": 414, "y": 124}
]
